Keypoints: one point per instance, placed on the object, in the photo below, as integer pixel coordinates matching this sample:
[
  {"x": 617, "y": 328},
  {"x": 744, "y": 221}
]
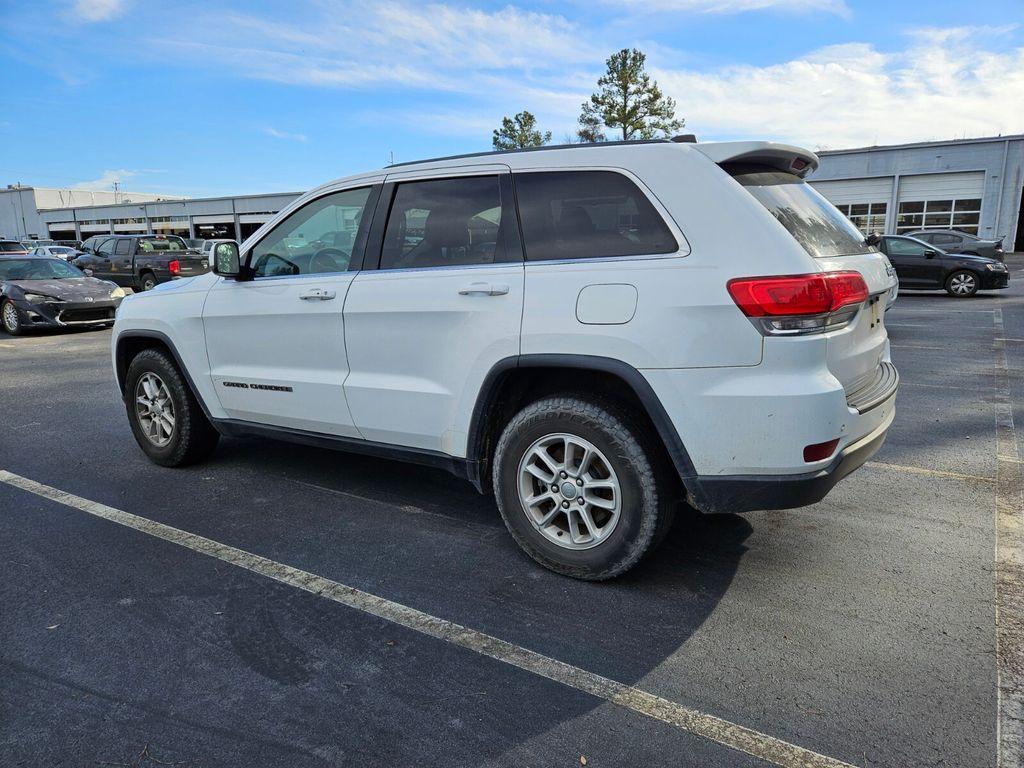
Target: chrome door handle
[
  {"x": 483, "y": 289},
  {"x": 318, "y": 294}
]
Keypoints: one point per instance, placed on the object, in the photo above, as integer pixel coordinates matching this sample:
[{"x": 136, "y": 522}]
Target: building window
[
  {"x": 867, "y": 217},
  {"x": 963, "y": 215}
]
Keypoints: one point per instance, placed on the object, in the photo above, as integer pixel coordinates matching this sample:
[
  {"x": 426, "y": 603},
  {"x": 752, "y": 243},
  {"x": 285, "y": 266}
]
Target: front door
[
  {"x": 100, "y": 263},
  {"x": 276, "y": 343},
  {"x": 443, "y": 306},
  {"x": 917, "y": 265}
]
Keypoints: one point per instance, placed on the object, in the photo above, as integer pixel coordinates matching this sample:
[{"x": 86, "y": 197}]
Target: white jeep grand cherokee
[{"x": 594, "y": 332}]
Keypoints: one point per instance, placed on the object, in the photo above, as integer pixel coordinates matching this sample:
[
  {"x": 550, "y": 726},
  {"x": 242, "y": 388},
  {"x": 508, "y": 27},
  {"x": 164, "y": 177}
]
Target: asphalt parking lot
[{"x": 881, "y": 627}]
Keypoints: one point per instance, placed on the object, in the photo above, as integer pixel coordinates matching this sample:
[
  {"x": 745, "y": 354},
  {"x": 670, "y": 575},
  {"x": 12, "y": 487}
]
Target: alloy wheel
[
  {"x": 962, "y": 284},
  {"x": 10, "y": 318},
  {"x": 569, "y": 491},
  {"x": 155, "y": 409}
]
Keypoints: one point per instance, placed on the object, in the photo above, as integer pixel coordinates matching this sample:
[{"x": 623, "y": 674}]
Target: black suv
[{"x": 140, "y": 261}]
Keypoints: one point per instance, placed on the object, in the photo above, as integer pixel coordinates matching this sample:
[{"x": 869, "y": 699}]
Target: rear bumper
[{"x": 746, "y": 493}]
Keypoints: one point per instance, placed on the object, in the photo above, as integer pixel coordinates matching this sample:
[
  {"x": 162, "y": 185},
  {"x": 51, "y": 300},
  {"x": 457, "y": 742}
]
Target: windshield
[
  {"x": 8, "y": 246},
  {"x": 37, "y": 269},
  {"x": 815, "y": 223},
  {"x": 150, "y": 244},
  {"x": 61, "y": 249}
]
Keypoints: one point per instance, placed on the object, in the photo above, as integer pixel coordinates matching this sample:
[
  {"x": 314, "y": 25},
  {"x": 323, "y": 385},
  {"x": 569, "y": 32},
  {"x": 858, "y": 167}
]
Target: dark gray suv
[{"x": 952, "y": 241}]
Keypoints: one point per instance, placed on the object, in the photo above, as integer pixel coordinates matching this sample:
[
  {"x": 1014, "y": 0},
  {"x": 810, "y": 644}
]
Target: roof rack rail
[{"x": 546, "y": 148}]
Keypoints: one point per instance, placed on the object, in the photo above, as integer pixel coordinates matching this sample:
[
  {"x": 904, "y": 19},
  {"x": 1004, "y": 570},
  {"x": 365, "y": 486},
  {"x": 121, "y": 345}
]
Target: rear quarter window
[
  {"x": 588, "y": 214},
  {"x": 811, "y": 219}
]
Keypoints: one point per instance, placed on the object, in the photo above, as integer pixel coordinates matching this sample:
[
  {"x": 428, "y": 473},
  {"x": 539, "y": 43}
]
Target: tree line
[{"x": 627, "y": 101}]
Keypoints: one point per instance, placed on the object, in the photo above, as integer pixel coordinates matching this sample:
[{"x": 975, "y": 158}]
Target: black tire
[
  {"x": 193, "y": 437},
  {"x": 962, "y": 284},
  {"x": 11, "y": 322},
  {"x": 648, "y": 492},
  {"x": 147, "y": 281}
]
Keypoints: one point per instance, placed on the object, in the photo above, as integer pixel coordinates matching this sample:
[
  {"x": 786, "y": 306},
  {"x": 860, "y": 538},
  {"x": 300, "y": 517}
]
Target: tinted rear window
[
  {"x": 150, "y": 244},
  {"x": 8, "y": 246},
  {"x": 588, "y": 214},
  {"x": 815, "y": 223}
]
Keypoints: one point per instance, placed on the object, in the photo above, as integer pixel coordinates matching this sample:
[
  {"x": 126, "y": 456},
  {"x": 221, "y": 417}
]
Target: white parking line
[
  {"x": 716, "y": 729},
  {"x": 1009, "y": 566}
]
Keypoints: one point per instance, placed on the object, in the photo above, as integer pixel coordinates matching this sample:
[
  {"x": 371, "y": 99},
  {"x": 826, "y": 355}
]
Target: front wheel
[
  {"x": 582, "y": 492},
  {"x": 166, "y": 419},
  {"x": 10, "y": 319},
  {"x": 962, "y": 283}
]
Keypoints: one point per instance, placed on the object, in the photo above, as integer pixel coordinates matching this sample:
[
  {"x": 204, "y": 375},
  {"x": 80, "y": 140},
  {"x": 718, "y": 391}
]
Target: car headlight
[
  {"x": 996, "y": 267},
  {"x": 117, "y": 293},
  {"x": 38, "y": 298}
]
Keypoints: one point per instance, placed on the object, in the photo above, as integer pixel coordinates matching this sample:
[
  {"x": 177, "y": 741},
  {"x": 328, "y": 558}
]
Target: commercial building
[
  {"x": 22, "y": 208},
  {"x": 973, "y": 185}
]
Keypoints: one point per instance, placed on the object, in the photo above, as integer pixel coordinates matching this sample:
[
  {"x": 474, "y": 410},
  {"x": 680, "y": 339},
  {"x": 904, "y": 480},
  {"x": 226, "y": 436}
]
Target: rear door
[
  {"x": 442, "y": 306},
  {"x": 276, "y": 344}
]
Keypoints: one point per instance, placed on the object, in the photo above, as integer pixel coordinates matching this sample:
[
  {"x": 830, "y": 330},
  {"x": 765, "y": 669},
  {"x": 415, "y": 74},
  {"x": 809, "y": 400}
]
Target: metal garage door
[
  {"x": 864, "y": 201},
  {"x": 941, "y": 201}
]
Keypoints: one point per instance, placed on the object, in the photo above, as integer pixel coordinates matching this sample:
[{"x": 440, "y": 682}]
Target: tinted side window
[
  {"x": 945, "y": 241},
  {"x": 123, "y": 247},
  {"x": 445, "y": 223},
  {"x": 905, "y": 248},
  {"x": 106, "y": 247},
  {"x": 587, "y": 214},
  {"x": 317, "y": 238}
]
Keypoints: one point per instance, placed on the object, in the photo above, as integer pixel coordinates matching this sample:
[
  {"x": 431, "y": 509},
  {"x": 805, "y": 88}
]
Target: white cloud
[
  {"x": 837, "y": 7},
  {"x": 106, "y": 181},
  {"x": 284, "y": 134},
  {"x": 97, "y": 10},
  {"x": 945, "y": 83}
]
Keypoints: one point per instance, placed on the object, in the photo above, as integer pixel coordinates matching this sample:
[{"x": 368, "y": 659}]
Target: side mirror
[
  {"x": 88, "y": 272},
  {"x": 225, "y": 260},
  {"x": 872, "y": 240},
  {"x": 930, "y": 254}
]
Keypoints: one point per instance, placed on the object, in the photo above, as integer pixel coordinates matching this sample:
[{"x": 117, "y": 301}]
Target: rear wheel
[
  {"x": 166, "y": 419},
  {"x": 147, "y": 281},
  {"x": 10, "y": 319},
  {"x": 582, "y": 491},
  {"x": 962, "y": 283}
]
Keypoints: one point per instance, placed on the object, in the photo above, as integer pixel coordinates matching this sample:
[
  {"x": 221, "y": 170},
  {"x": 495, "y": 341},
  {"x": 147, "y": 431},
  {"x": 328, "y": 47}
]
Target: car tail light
[
  {"x": 175, "y": 267},
  {"x": 820, "y": 451},
  {"x": 789, "y": 305}
]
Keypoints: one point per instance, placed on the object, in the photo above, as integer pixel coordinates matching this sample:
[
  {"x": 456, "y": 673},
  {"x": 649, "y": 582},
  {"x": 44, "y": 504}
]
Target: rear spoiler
[{"x": 785, "y": 157}]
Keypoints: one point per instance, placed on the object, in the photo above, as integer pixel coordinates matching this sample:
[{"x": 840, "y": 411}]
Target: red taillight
[
  {"x": 820, "y": 451},
  {"x": 175, "y": 267},
  {"x": 792, "y": 295}
]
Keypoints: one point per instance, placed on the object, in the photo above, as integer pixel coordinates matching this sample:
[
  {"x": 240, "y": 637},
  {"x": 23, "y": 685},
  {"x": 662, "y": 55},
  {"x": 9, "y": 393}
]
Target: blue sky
[{"x": 220, "y": 97}]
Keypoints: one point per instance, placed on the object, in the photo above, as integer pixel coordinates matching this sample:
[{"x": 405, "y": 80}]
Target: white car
[
  {"x": 595, "y": 333},
  {"x": 62, "y": 252}
]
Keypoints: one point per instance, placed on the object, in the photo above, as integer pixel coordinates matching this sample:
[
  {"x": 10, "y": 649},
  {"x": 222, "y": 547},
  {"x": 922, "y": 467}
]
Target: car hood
[{"x": 68, "y": 289}]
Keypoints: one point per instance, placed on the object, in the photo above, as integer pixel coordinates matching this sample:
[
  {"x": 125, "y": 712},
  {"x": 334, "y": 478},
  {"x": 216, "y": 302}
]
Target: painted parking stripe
[
  {"x": 716, "y": 729},
  {"x": 1009, "y": 565}
]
